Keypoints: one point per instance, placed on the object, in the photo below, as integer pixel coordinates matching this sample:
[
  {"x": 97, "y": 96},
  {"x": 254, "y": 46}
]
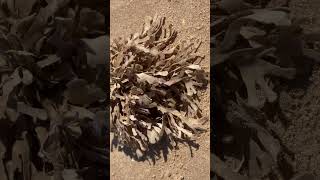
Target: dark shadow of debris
[
  {"x": 273, "y": 111},
  {"x": 95, "y": 171},
  {"x": 156, "y": 151},
  {"x": 304, "y": 69}
]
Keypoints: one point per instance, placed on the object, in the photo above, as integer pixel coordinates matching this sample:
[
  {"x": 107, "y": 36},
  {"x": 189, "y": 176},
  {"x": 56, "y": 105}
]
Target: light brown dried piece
[{"x": 154, "y": 84}]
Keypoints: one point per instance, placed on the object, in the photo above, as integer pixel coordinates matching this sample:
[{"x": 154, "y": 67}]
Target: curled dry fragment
[
  {"x": 79, "y": 92},
  {"x": 264, "y": 149},
  {"x": 255, "y": 74},
  {"x": 222, "y": 169},
  {"x": 154, "y": 83},
  {"x": 31, "y": 111},
  {"x": 7, "y": 87},
  {"x": 96, "y": 50},
  {"x": 20, "y": 158},
  {"x": 260, "y": 163}
]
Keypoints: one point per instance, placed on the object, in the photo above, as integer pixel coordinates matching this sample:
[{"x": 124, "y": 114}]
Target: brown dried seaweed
[
  {"x": 256, "y": 49},
  {"x": 154, "y": 85},
  {"x": 49, "y": 130}
]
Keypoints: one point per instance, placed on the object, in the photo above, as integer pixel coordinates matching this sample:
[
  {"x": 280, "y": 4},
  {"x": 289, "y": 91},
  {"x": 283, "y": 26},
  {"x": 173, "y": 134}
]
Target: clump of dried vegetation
[
  {"x": 258, "y": 50},
  {"x": 52, "y": 90},
  {"x": 155, "y": 84}
]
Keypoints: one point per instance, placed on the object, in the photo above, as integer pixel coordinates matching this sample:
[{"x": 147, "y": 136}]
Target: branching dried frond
[
  {"x": 154, "y": 86},
  {"x": 257, "y": 47}
]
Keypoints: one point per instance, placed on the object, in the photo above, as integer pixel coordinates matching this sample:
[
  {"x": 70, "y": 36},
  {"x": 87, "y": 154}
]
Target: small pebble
[
  {"x": 183, "y": 21},
  {"x": 199, "y": 27}
]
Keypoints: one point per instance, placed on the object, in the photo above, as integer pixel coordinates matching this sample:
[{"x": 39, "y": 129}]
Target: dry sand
[
  {"x": 191, "y": 19},
  {"x": 302, "y": 106}
]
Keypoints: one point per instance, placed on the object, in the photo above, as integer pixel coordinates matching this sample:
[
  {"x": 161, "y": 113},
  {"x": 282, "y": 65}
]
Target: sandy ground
[
  {"x": 191, "y": 19},
  {"x": 302, "y": 106}
]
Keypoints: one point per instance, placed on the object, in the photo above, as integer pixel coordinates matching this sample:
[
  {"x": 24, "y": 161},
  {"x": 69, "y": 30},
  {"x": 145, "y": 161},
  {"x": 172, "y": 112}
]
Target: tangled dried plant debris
[
  {"x": 257, "y": 48},
  {"x": 155, "y": 86},
  {"x": 52, "y": 110}
]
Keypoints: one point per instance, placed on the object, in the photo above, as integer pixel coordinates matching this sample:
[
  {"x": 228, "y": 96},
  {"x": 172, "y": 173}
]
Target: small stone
[
  {"x": 183, "y": 21},
  {"x": 181, "y": 165},
  {"x": 179, "y": 178},
  {"x": 162, "y": 176},
  {"x": 199, "y": 27},
  {"x": 168, "y": 174}
]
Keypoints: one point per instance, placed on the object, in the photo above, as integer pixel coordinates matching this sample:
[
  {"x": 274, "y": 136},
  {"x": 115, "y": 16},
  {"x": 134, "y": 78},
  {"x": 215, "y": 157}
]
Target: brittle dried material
[
  {"x": 269, "y": 148},
  {"x": 154, "y": 85},
  {"x": 223, "y": 170},
  {"x": 256, "y": 47},
  {"x": 51, "y": 91},
  {"x": 254, "y": 33},
  {"x": 255, "y": 74}
]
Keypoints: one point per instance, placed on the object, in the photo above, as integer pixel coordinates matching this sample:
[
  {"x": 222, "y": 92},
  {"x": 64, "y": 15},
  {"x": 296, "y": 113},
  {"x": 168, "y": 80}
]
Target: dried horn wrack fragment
[
  {"x": 259, "y": 53},
  {"x": 154, "y": 86}
]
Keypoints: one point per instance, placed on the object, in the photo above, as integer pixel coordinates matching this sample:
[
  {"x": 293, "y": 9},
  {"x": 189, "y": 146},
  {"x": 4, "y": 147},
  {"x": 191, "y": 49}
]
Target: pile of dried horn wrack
[
  {"x": 257, "y": 50},
  {"x": 52, "y": 90},
  {"x": 154, "y": 87}
]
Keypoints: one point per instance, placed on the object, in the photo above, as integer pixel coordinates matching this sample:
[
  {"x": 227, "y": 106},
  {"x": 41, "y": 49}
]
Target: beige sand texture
[
  {"x": 190, "y": 18},
  {"x": 302, "y": 106}
]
